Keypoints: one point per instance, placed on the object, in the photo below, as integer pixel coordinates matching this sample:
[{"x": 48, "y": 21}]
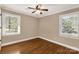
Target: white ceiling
[{"x": 52, "y": 8}]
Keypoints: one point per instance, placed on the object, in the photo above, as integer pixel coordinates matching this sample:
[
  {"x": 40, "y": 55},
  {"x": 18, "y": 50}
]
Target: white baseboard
[
  {"x": 9, "y": 43},
  {"x": 65, "y": 45}
]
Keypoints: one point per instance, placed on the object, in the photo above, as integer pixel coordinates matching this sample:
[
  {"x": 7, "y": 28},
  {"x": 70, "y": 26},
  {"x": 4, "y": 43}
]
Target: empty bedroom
[{"x": 39, "y": 28}]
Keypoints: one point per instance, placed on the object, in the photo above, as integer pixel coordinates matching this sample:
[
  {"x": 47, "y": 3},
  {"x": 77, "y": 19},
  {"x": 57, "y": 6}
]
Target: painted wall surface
[
  {"x": 0, "y": 24},
  {"x": 28, "y": 28},
  {"x": 0, "y": 29},
  {"x": 49, "y": 28}
]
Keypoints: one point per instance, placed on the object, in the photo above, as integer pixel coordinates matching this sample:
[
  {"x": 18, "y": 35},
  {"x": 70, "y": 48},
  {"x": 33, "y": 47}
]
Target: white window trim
[
  {"x": 66, "y": 34},
  {"x": 4, "y": 14}
]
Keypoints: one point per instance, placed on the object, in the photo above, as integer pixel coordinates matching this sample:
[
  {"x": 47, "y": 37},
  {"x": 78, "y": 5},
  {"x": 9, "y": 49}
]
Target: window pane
[
  {"x": 69, "y": 25},
  {"x": 11, "y": 24}
]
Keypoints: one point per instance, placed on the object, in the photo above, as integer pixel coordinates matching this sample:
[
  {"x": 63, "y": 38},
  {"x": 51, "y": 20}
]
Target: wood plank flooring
[{"x": 36, "y": 46}]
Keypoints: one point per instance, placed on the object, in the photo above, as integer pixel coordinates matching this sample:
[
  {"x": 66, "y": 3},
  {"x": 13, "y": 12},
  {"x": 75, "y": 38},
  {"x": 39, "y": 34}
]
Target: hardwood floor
[{"x": 36, "y": 46}]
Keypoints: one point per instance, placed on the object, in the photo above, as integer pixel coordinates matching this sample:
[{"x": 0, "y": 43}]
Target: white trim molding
[
  {"x": 65, "y": 45},
  {"x": 9, "y": 43},
  {"x": 11, "y": 17},
  {"x": 63, "y": 20}
]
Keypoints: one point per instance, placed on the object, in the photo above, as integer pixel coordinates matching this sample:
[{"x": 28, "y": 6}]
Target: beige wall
[
  {"x": 0, "y": 29},
  {"x": 49, "y": 28},
  {"x": 0, "y": 24},
  {"x": 28, "y": 28}
]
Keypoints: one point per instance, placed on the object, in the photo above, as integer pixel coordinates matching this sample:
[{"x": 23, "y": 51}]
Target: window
[
  {"x": 11, "y": 24},
  {"x": 69, "y": 25}
]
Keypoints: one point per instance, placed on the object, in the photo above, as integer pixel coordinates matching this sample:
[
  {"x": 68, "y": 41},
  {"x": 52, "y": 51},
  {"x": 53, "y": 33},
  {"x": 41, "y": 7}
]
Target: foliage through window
[
  {"x": 69, "y": 25},
  {"x": 11, "y": 24}
]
